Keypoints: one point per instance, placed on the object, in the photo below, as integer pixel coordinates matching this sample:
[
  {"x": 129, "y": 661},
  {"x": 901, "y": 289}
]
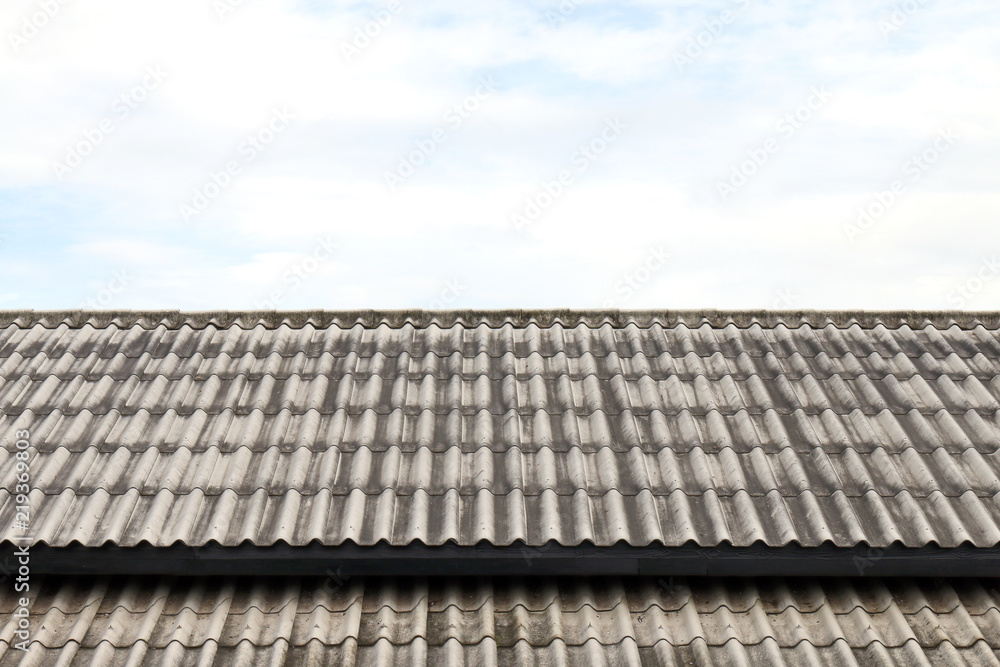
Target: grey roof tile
[
  {"x": 510, "y": 622},
  {"x": 865, "y": 428}
]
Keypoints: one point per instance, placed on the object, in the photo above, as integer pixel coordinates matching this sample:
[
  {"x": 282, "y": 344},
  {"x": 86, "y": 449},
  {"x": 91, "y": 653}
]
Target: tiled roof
[
  {"x": 726, "y": 431},
  {"x": 173, "y": 319},
  {"x": 593, "y": 621}
]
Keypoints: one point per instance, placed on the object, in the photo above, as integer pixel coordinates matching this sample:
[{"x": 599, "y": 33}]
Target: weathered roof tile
[{"x": 863, "y": 428}]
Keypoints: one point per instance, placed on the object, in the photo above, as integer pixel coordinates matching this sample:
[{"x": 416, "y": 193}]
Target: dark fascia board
[{"x": 515, "y": 560}]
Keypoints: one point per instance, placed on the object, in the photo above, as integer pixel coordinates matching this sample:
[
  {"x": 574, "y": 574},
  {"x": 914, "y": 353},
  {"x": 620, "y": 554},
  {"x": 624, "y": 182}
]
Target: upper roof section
[
  {"x": 736, "y": 433},
  {"x": 173, "y": 319}
]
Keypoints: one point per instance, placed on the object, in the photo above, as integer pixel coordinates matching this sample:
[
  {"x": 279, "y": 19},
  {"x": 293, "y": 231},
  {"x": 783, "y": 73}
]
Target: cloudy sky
[{"x": 248, "y": 154}]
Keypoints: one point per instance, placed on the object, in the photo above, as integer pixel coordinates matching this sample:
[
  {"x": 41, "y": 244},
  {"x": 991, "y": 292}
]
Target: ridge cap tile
[{"x": 395, "y": 319}]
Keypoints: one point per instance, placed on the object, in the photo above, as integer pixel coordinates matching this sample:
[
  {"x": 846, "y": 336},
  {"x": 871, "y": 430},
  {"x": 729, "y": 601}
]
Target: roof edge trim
[{"x": 515, "y": 560}]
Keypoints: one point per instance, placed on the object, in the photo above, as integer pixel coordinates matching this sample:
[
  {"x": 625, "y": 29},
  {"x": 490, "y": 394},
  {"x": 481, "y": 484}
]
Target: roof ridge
[{"x": 298, "y": 319}]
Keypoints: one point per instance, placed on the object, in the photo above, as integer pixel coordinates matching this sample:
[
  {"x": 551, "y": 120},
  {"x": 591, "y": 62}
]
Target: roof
[
  {"x": 386, "y": 449},
  {"x": 297, "y": 319},
  {"x": 227, "y": 621},
  {"x": 720, "y": 428}
]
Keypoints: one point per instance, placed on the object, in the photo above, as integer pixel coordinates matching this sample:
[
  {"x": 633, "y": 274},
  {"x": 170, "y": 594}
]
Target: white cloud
[{"x": 355, "y": 120}]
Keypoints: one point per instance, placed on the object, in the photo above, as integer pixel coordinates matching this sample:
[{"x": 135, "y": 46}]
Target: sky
[{"x": 288, "y": 154}]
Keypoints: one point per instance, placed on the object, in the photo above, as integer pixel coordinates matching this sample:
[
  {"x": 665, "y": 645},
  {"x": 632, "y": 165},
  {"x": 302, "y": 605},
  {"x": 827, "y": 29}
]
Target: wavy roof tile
[
  {"x": 590, "y": 621},
  {"x": 400, "y": 427}
]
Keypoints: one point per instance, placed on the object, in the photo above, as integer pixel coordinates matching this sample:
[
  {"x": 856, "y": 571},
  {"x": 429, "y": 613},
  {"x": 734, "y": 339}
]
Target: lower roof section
[
  {"x": 340, "y": 620},
  {"x": 515, "y": 560}
]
